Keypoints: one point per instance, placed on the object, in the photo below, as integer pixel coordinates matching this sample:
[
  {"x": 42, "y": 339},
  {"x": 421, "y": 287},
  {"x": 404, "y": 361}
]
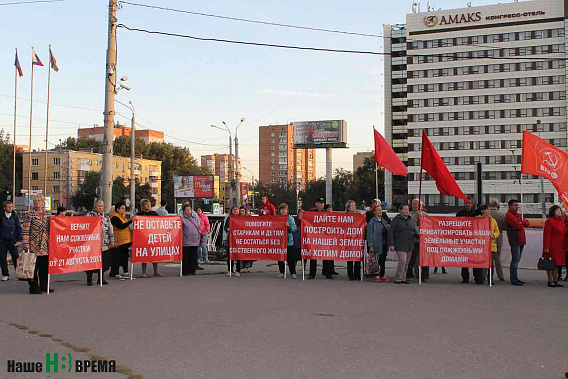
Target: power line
[
  {"x": 253, "y": 21},
  {"x": 251, "y": 43},
  {"x": 31, "y": 2}
]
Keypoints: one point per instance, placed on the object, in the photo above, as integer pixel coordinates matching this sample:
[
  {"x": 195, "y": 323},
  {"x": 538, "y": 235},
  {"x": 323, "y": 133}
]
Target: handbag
[
  {"x": 26, "y": 265},
  {"x": 371, "y": 264},
  {"x": 546, "y": 264}
]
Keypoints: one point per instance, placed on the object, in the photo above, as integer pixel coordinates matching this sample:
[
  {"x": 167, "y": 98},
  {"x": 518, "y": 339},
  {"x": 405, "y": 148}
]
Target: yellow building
[{"x": 67, "y": 169}]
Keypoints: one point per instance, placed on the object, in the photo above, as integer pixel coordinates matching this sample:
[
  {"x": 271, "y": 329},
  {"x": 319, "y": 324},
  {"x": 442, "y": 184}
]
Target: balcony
[
  {"x": 153, "y": 184},
  {"x": 137, "y": 171},
  {"x": 154, "y": 174},
  {"x": 84, "y": 167}
]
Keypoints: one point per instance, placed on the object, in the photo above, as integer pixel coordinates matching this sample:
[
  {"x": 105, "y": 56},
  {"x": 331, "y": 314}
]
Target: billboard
[
  {"x": 193, "y": 186},
  {"x": 320, "y": 134}
]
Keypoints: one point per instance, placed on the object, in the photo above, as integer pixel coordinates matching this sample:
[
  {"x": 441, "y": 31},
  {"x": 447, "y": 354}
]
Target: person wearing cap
[
  {"x": 61, "y": 211},
  {"x": 327, "y": 269}
]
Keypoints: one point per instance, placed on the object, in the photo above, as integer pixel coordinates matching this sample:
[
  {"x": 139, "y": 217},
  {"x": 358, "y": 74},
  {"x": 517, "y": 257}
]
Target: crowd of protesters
[{"x": 399, "y": 235}]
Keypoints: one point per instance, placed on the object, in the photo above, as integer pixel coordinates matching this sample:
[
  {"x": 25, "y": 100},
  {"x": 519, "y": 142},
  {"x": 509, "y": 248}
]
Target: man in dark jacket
[
  {"x": 10, "y": 238},
  {"x": 327, "y": 269},
  {"x": 470, "y": 211}
]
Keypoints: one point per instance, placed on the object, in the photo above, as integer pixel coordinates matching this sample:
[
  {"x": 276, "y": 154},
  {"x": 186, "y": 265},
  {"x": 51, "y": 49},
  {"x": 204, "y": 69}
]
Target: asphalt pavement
[{"x": 213, "y": 326}]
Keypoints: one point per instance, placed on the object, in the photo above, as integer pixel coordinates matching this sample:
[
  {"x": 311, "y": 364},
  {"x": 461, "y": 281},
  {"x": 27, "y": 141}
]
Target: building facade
[
  {"x": 279, "y": 162},
  {"x": 359, "y": 159},
  {"x": 477, "y": 78},
  {"x": 395, "y": 111},
  {"x": 97, "y": 132},
  {"x": 218, "y": 164},
  {"x": 66, "y": 169}
]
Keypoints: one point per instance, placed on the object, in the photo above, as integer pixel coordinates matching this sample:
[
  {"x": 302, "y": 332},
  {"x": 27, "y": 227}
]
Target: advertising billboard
[
  {"x": 320, "y": 134},
  {"x": 193, "y": 186}
]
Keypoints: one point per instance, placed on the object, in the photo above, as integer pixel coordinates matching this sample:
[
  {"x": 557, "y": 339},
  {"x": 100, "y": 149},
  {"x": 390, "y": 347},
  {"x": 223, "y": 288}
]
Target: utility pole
[
  {"x": 237, "y": 179},
  {"x": 132, "y": 159},
  {"x": 230, "y": 181},
  {"x": 110, "y": 88}
]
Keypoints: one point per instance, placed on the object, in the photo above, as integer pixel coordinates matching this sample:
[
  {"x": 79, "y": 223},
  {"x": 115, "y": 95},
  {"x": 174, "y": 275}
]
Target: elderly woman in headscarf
[{"x": 107, "y": 239}]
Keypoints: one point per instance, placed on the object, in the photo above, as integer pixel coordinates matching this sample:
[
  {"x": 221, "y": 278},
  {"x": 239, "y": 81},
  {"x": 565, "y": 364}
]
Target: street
[{"x": 212, "y": 326}]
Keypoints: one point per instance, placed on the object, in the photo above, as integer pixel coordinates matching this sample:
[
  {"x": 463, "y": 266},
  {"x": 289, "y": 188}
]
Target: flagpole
[
  {"x": 15, "y": 113},
  {"x": 420, "y": 185},
  {"x": 47, "y": 122},
  {"x": 30, "y": 144},
  {"x": 376, "y": 180}
]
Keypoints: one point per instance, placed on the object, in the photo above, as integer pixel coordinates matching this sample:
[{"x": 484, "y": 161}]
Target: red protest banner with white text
[
  {"x": 157, "y": 239},
  {"x": 258, "y": 238},
  {"x": 74, "y": 244},
  {"x": 455, "y": 242},
  {"x": 333, "y": 236}
]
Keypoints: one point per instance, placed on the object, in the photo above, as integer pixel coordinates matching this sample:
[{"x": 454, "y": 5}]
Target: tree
[
  {"x": 84, "y": 198},
  {"x": 82, "y": 143},
  {"x": 7, "y": 165},
  {"x": 278, "y": 193},
  {"x": 364, "y": 182}
]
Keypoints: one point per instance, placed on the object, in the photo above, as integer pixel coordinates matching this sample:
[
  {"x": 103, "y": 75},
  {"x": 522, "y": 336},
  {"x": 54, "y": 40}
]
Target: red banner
[
  {"x": 258, "y": 238},
  {"x": 455, "y": 242},
  {"x": 74, "y": 244},
  {"x": 157, "y": 239},
  {"x": 540, "y": 158},
  {"x": 333, "y": 236}
]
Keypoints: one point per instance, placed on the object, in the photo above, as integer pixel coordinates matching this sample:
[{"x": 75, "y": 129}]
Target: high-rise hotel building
[{"x": 477, "y": 78}]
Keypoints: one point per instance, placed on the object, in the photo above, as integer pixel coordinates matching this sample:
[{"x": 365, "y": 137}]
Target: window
[
  {"x": 56, "y": 161},
  {"x": 55, "y": 189},
  {"x": 35, "y": 176},
  {"x": 35, "y": 162},
  {"x": 56, "y": 175},
  {"x": 35, "y": 188}
]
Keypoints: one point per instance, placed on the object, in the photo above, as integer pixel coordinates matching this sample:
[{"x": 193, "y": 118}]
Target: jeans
[
  {"x": 4, "y": 248},
  {"x": 203, "y": 253},
  {"x": 119, "y": 258},
  {"x": 382, "y": 264},
  {"x": 403, "y": 260},
  {"x": 516, "y": 253}
]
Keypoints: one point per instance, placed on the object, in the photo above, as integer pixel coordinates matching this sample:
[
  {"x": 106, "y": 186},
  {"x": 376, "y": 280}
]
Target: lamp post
[
  {"x": 230, "y": 189},
  {"x": 252, "y": 173},
  {"x": 237, "y": 178},
  {"x": 132, "y": 156}
]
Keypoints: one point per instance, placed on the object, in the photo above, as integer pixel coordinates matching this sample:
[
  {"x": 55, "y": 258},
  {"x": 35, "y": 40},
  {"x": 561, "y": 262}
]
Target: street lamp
[
  {"x": 237, "y": 180},
  {"x": 132, "y": 155},
  {"x": 252, "y": 173},
  {"x": 230, "y": 189}
]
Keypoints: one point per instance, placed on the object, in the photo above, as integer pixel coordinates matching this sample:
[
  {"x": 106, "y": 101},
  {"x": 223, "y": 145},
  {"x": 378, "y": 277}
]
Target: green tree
[
  {"x": 119, "y": 191},
  {"x": 278, "y": 193},
  {"x": 7, "y": 164},
  {"x": 82, "y": 143},
  {"x": 84, "y": 198},
  {"x": 363, "y": 188}
]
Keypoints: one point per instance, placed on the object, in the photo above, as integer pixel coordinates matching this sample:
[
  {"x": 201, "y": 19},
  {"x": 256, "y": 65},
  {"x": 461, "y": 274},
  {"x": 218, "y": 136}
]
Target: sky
[{"x": 183, "y": 86}]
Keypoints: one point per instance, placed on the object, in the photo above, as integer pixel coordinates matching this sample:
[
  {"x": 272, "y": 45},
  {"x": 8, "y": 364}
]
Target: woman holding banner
[
  {"x": 291, "y": 257},
  {"x": 236, "y": 269},
  {"x": 191, "y": 237},
  {"x": 35, "y": 239},
  {"x": 122, "y": 241},
  {"x": 107, "y": 234},
  {"x": 554, "y": 230},
  {"x": 351, "y": 207},
  {"x": 377, "y": 230},
  {"x": 401, "y": 237},
  {"x": 479, "y": 274}
]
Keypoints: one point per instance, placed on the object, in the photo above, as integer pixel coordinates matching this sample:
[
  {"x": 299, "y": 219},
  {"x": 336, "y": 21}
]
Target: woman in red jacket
[{"x": 554, "y": 233}]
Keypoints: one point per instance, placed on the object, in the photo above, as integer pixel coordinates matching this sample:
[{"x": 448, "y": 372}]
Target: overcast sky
[{"x": 182, "y": 86}]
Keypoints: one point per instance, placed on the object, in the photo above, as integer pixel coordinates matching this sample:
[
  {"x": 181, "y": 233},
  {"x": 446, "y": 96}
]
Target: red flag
[
  {"x": 386, "y": 157},
  {"x": 435, "y": 166},
  {"x": 540, "y": 158}
]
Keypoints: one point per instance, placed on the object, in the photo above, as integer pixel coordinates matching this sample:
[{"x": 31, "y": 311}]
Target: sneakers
[
  {"x": 118, "y": 277},
  {"x": 381, "y": 279},
  {"x": 207, "y": 261},
  {"x": 237, "y": 274},
  {"x": 294, "y": 276},
  {"x": 280, "y": 276},
  {"x": 144, "y": 275},
  {"x": 5, "y": 278},
  {"x": 228, "y": 273}
]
